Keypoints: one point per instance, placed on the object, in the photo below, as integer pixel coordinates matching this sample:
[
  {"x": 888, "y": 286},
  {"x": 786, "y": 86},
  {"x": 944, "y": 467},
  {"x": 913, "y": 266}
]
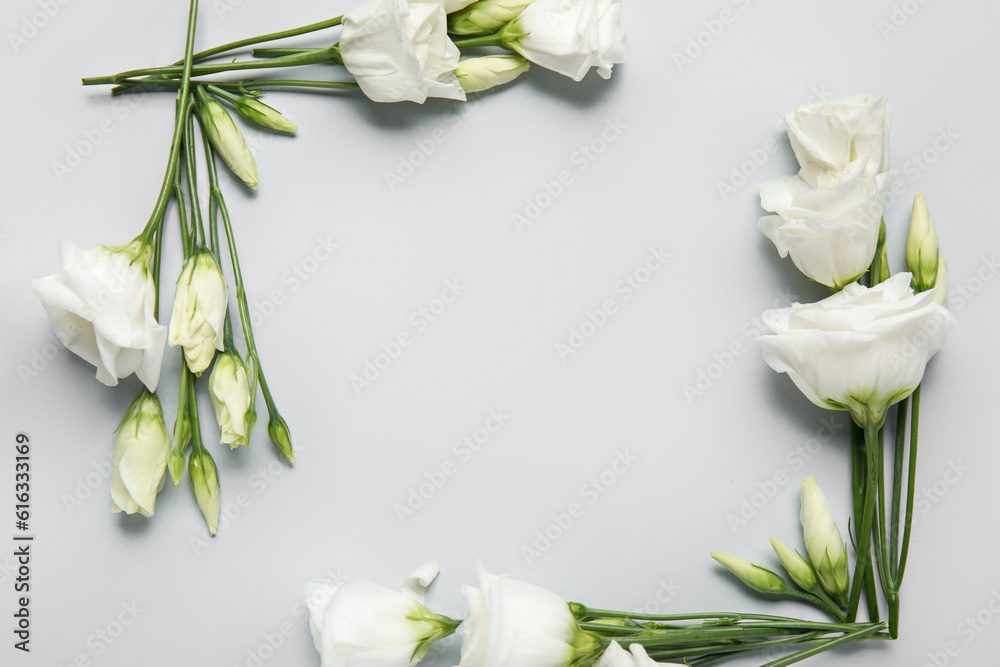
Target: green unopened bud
[
  {"x": 260, "y": 113},
  {"x": 205, "y": 482},
  {"x": 478, "y": 74},
  {"x": 277, "y": 429},
  {"x": 797, "y": 567},
  {"x": 922, "y": 246},
  {"x": 756, "y": 577},
  {"x": 941, "y": 284},
  {"x": 485, "y": 16},
  {"x": 824, "y": 544},
  {"x": 883, "y": 265},
  {"x": 226, "y": 138}
]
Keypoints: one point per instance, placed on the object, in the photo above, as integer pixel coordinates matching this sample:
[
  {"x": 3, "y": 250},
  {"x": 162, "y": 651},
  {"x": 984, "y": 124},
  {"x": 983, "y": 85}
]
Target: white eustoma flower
[
  {"x": 828, "y": 136},
  {"x": 227, "y": 139},
  {"x": 479, "y": 74},
  {"x": 516, "y": 624},
  {"x": 229, "y": 388},
  {"x": 360, "y": 623},
  {"x": 140, "y": 457},
  {"x": 636, "y": 656},
  {"x": 200, "y": 305},
  {"x": 569, "y": 36},
  {"x": 830, "y": 233},
  {"x": 861, "y": 349},
  {"x": 824, "y": 544},
  {"x": 399, "y": 50},
  {"x": 101, "y": 308}
]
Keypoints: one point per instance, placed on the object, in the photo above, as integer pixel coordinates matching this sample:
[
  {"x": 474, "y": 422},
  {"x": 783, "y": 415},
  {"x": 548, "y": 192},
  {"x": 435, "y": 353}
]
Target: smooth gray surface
[{"x": 656, "y": 186}]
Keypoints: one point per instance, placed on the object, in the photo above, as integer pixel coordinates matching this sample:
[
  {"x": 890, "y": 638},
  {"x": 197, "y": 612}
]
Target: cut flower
[{"x": 862, "y": 349}]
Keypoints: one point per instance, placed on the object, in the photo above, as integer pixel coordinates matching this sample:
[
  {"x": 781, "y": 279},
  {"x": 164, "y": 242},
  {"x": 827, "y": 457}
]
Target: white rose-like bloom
[
  {"x": 363, "y": 624},
  {"x": 200, "y": 305},
  {"x": 229, "y": 388},
  {"x": 101, "y": 308},
  {"x": 861, "y": 349},
  {"x": 516, "y": 624},
  {"x": 140, "y": 457},
  {"x": 569, "y": 36},
  {"x": 830, "y": 233},
  {"x": 401, "y": 51},
  {"x": 824, "y": 136},
  {"x": 825, "y": 546},
  {"x": 636, "y": 656}
]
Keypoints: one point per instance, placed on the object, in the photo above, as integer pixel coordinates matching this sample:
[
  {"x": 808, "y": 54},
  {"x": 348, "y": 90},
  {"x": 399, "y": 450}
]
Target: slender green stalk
[
  {"x": 183, "y": 102},
  {"x": 485, "y": 40},
  {"x": 880, "y": 541},
  {"x": 910, "y": 486},
  {"x": 319, "y": 56},
  {"x": 738, "y": 647},
  {"x": 859, "y": 635},
  {"x": 897, "y": 488},
  {"x": 270, "y": 37},
  {"x": 868, "y": 514},
  {"x": 858, "y": 486},
  {"x": 246, "y": 86},
  {"x": 197, "y": 226},
  {"x": 277, "y": 53}
]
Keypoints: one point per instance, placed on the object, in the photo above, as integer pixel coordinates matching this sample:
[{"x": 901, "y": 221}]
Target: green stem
[
  {"x": 485, "y": 40},
  {"x": 270, "y": 37},
  {"x": 858, "y": 486},
  {"x": 857, "y": 636},
  {"x": 318, "y": 56},
  {"x": 183, "y": 101},
  {"x": 731, "y": 647},
  {"x": 897, "y": 489},
  {"x": 881, "y": 541},
  {"x": 197, "y": 226},
  {"x": 245, "y": 86},
  {"x": 277, "y": 53},
  {"x": 910, "y": 486},
  {"x": 868, "y": 513}
]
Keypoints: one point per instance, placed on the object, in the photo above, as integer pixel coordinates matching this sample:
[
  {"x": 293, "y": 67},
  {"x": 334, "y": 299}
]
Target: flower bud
[
  {"x": 756, "y": 577},
  {"x": 140, "y": 456},
  {"x": 277, "y": 430},
  {"x": 255, "y": 110},
  {"x": 205, "y": 482},
  {"x": 227, "y": 139},
  {"x": 941, "y": 284},
  {"x": 824, "y": 543},
  {"x": 478, "y": 74},
  {"x": 175, "y": 464},
  {"x": 200, "y": 305},
  {"x": 922, "y": 246},
  {"x": 883, "y": 266},
  {"x": 485, "y": 16},
  {"x": 798, "y": 568},
  {"x": 230, "y": 392}
]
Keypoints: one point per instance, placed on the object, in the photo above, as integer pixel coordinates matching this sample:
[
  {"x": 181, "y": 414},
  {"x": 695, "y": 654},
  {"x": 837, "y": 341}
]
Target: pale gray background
[{"x": 656, "y": 185}]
